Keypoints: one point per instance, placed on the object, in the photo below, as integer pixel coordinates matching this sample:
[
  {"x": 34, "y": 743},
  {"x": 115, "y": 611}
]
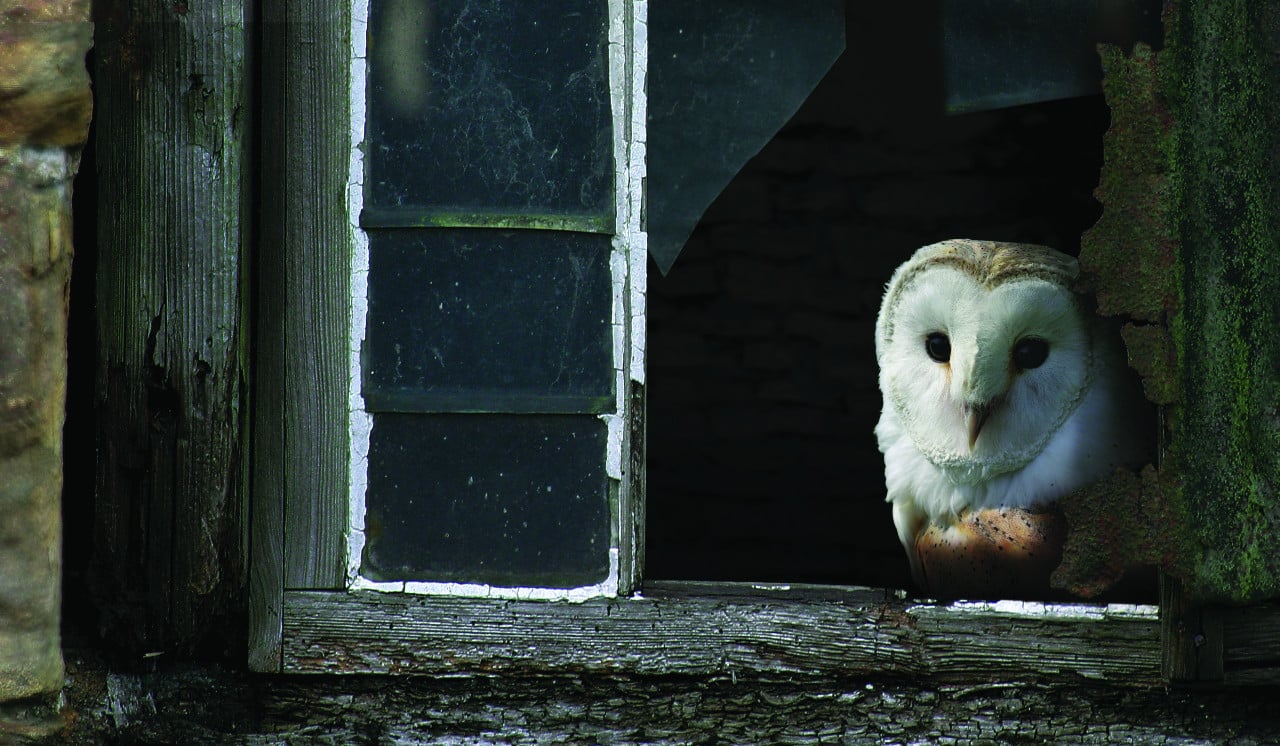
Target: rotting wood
[
  {"x": 719, "y": 630},
  {"x": 172, "y": 132},
  {"x": 197, "y": 706},
  {"x": 1251, "y": 644}
]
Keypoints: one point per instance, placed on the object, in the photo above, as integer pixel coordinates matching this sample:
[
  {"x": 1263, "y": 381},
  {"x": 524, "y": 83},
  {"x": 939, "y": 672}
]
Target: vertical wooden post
[
  {"x": 1223, "y": 79},
  {"x": 1191, "y": 635},
  {"x": 304, "y": 266},
  {"x": 44, "y": 118},
  {"x": 173, "y": 131}
]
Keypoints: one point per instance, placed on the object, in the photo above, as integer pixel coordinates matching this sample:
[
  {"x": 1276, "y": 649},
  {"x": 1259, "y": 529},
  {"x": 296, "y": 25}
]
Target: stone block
[
  {"x": 44, "y": 87},
  {"x": 35, "y": 268}
]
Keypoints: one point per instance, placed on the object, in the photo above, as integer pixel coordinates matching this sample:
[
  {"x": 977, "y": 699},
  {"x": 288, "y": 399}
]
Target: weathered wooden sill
[{"x": 729, "y": 630}]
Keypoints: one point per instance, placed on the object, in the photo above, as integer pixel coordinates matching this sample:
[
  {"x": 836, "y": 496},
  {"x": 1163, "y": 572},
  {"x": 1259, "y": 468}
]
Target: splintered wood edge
[{"x": 728, "y": 630}]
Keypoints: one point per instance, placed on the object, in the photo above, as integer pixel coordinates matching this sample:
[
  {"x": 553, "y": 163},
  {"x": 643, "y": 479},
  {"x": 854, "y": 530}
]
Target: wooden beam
[
  {"x": 173, "y": 125},
  {"x": 725, "y": 630},
  {"x": 305, "y": 271}
]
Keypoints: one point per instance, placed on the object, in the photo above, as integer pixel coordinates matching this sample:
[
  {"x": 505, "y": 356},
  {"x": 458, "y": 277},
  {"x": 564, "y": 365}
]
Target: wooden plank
[
  {"x": 1192, "y": 637},
  {"x": 1251, "y": 644},
  {"x": 628, "y": 60},
  {"x": 726, "y": 630},
  {"x": 266, "y": 527},
  {"x": 631, "y": 508},
  {"x": 306, "y": 275},
  {"x": 219, "y": 705},
  {"x": 172, "y": 126}
]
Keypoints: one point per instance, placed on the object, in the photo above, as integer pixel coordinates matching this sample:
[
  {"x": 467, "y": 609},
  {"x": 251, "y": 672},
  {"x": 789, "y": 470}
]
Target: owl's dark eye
[
  {"x": 938, "y": 346},
  {"x": 1030, "y": 353}
]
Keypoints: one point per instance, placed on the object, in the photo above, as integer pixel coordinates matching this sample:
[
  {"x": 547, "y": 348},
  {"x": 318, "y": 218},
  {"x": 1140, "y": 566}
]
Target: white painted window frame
[{"x": 627, "y": 59}]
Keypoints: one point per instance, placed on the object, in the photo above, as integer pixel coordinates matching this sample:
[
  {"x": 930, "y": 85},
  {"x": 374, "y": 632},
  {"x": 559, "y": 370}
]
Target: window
[
  {"x": 493, "y": 361},
  {"x": 491, "y": 355},
  {"x": 507, "y": 200}
]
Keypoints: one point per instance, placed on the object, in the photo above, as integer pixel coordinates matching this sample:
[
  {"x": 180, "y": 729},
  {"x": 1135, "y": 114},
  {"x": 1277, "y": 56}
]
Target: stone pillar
[{"x": 45, "y": 105}]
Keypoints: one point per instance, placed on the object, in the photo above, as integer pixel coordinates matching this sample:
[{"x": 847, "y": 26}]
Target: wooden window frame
[{"x": 303, "y": 619}]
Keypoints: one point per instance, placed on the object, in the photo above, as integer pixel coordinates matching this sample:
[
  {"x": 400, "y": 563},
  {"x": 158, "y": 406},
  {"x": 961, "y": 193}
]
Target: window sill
[{"x": 725, "y": 630}]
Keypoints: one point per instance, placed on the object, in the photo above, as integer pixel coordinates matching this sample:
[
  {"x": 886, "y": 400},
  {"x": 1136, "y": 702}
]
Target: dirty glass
[
  {"x": 489, "y": 320},
  {"x": 514, "y": 500},
  {"x": 489, "y": 105}
]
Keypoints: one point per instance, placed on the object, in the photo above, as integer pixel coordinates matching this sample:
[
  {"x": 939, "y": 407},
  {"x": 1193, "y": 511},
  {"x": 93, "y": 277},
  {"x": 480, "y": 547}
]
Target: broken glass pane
[
  {"x": 497, "y": 105},
  {"x": 723, "y": 77},
  {"x": 488, "y": 320},
  {"x": 500, "y": 499}
]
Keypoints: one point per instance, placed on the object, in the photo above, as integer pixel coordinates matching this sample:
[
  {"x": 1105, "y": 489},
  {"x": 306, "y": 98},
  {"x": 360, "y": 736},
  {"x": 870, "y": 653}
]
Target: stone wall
[
  {"x": 762, "y": 376},
  {"x": 44, "y": 116}
]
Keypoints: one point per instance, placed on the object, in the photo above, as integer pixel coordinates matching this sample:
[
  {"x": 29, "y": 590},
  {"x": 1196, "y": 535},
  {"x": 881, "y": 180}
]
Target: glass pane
[
  {"x": 497, "y": 499},
  {"x": 723, "y": 77},
  {"x": 480, "y": 320},
  {"x": 489, "y": 105}
]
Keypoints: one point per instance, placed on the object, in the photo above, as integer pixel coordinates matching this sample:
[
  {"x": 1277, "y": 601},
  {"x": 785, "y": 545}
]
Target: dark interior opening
[
  {"x": 79, "y": 618},
  {"x": 762, "y": 380}
]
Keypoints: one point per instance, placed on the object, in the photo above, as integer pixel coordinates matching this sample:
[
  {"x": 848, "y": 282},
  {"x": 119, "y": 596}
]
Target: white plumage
[{"x": 1001, "y": 391}]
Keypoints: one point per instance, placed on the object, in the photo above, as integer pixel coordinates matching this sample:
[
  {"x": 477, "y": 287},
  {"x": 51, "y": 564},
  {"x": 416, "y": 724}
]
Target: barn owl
[{"x": 1002, "y": 392}]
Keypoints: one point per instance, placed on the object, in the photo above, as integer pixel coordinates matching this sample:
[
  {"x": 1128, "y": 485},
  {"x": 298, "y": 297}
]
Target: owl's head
[{"x": 984, "y": 351}]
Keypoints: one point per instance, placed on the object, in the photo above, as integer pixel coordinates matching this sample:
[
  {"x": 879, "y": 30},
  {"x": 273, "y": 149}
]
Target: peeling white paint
[
  {"x": 1041, "y": 610},
  {"x": 637, "y": 169},
  {"x": 613, "y": 459},
  {"x": 608, "y": 588},
  {"x": 360, "y": 422}
]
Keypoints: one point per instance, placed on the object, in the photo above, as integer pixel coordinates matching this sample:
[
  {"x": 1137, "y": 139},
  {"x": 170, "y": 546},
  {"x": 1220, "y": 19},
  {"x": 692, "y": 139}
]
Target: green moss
[
  {"x": 1188, "y": 247},
  {"x": 1222, "y": 84}
]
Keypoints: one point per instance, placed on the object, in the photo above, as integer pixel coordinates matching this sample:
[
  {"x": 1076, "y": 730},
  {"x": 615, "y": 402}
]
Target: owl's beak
[{"x": 975, "y": 416}]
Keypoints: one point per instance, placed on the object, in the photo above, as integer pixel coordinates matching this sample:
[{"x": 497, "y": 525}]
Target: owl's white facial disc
[{"x": 1017, "y": 363}]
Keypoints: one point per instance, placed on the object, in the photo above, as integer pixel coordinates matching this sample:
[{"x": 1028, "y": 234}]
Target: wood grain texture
[
  {"x": 304, "y": 280},
  {"x": 217, "y": 706},
  {"x": 723, "y": 630},
  {"x": 1250, "y": 644},
  {"x": 173, "y": 127},
  {"x": 300, "y": 447},
  {"x": 631, "y": 508}
]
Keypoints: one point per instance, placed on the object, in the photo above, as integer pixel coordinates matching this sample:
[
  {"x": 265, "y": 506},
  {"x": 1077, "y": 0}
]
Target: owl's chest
[{"x": 943, "y": 493}]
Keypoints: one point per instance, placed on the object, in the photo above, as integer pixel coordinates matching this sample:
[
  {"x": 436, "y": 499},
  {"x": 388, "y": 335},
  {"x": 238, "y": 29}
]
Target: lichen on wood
[
  {"x": 1186, "y": 252},
  {"x": 1224, "y": 93},
  {"x": 1129, "y": 260}
]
